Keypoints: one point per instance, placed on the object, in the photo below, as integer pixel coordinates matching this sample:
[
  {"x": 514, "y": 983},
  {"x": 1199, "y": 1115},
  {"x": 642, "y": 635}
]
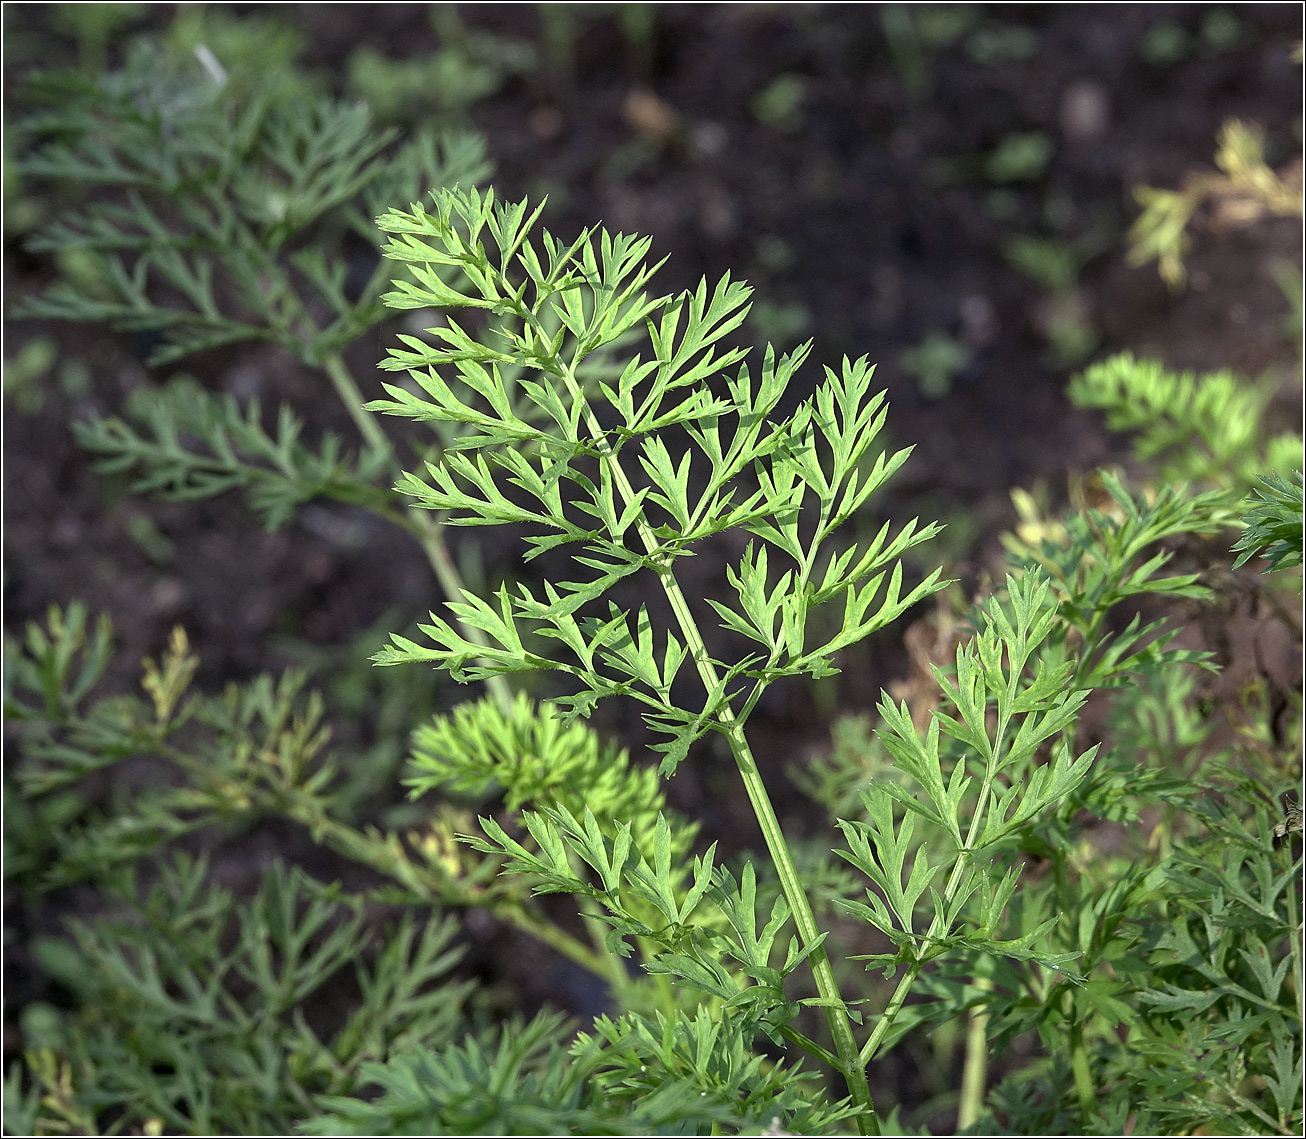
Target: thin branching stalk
[
  {"x": 428, "y": 531},
  {"x": 935, "y": 930},
  {"x": 389, "y": 859},
  {"x": 386, "y": 855},
  {"x": 335, "y": 367},
  {"x": 849, "y": 1065}
]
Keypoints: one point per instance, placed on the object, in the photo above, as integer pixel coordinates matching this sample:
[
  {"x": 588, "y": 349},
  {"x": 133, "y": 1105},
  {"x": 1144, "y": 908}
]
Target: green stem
[
  {"x": 431, "y": 534},
  {"x": 390, "y": 860},
  {"x": 1279, "y": 1126},
  {"x": 387, "y": 856},
  {"x": 428, "y": 531},
  {"x": 854, "y": 1071},
  {"x": 974, "y": 1074},
  {"x": 809, "y": 1045},
  {"x": 850, "y": 1066},
  {"x": 1295, "y": 945},
  {"x": 352, "y": 398},
  {"x": 615, "y": 972},
  {"x": 1082, "y": 1071}
]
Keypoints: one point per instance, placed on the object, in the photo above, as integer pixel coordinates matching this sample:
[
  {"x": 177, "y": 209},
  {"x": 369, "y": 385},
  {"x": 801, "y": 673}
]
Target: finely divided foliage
[
  {"x": 1011, "y": 704},
  {"x": 1205, "y": 428},
  {"x": 594, "y": 290},
  {"x": 628, "y": 430},
  {"x": 227, "y": 220},
  {"x": 1273, "y": 522},
  {"x": 217, "y": 194},
  {"x": 754, "y": 469}
]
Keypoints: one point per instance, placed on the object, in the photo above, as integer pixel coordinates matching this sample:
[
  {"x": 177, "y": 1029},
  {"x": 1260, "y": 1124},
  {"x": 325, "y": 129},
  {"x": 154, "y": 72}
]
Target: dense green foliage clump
[{"x": 618, "y": 433}]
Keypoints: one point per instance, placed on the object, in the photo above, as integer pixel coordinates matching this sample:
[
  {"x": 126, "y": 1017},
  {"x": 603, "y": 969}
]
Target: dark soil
[{"x": 868, "y": 218}]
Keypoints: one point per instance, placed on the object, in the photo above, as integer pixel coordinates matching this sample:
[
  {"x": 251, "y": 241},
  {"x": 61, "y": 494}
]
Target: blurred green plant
[
  {"x": 935, "y": 362},
  {"x": 994, "y": 45},
  {"x": 1204, "y": 428},
  {"x": 914, "y": 31},
  {"x": 780, "y": 323},
  {"x": 1164, "y": 43},
  {"x": 1063, "y": 315},
  {"x": 1019, "y": 157},
  {"x": 1053, "y": 264},
  {"x": 24, "y": 373},
  {"x": 155, "y": 544},
  {"x": 160, "y": 1025},
  {"x": 1221, "y": 29},
  {"x": 93, "y": 26},
  {"x": 238, "y": 211},
  {"x": 250, "y": 54},
  {"x": 563, "y": 26},
  {"x": 211, "y": 186},
  {"x": 780, "y": 103},
  {"x": 1245, "y": 190},
  {"x": 469, "y": 65}
]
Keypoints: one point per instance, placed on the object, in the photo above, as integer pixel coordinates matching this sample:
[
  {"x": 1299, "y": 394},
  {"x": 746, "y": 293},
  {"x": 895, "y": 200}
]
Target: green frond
[
  {"x": 630, "y": 1077},
  {"x": 188, "y": 990},
  {"x": 535, "y": 759},
  {"x": 186, "y": 443},
  {"x": 1193, "y": 428},
  {"x": 217, "y": 181},
  {"x": 1109, "y": 554},
  {"x": 552, "y": 307},
  {"x": 1273, "y": 522}
]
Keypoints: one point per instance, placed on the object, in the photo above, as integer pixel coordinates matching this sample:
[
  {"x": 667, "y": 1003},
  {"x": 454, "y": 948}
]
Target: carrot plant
[{"x": 617, "y": 433}]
